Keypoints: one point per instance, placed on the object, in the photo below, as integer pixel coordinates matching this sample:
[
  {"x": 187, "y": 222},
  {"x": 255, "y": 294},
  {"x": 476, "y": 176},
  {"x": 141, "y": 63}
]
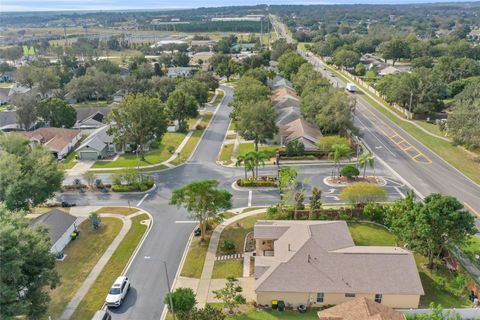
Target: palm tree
[
  {"x": 259, "y": 158},
  {"x": 366, "y": 159},
  {"x": 339, "y": 151},
  {"x": 248, "y": 163},
  {"x": 240, "y": 161}
]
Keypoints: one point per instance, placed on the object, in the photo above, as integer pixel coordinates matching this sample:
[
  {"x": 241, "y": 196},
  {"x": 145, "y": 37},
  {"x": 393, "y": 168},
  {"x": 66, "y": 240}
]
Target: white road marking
[
  {"x": 331, "y": 190},
  {"x": 186, "y": 221},
  {"x": 141, "y": 201},
  {"x": 250, "y": 198},
  {"x": 399, "y": 191},
  {"x": 334, "y": 198}
]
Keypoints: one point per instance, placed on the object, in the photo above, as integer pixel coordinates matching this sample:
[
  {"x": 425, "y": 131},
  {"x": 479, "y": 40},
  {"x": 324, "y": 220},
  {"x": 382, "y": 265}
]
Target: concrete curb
[{"x": 381, "y": 183}]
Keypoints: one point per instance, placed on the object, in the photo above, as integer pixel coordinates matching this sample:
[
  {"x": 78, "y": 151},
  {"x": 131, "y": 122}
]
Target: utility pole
[
  {"x": 169, "y": 290},
  {"x": 410, "y": 104}
]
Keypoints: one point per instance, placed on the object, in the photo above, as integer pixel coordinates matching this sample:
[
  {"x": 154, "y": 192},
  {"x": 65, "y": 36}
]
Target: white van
[{"x": 351, "y": 87}]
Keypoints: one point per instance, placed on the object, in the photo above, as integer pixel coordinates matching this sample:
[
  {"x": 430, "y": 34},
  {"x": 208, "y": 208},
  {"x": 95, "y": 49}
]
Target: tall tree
[
  {"x": 433, "y": 224},
  {"x": 394, "y": 49},
  {"x": 138, "y": 119},
  {"x": 257, "y": 120},
  {"x": 231, "y": 294},
  {"x": 338, "y": 152},
  {"x": 29, "y": 175},
  {"x": 463, "y": 121},
  {"x": 181, "y": 106},
  {"x": 366, "y": 159},
  {"x": 289, "y": 63},
  {"x": 26, "y": 112},
  {"x": 56, "y": 113},
  {"x": 196, "y": 88},
  {"x": 28, "y": 267},
  {"x": 202, "y": 200},
  {"x": 346, "y": 58}
]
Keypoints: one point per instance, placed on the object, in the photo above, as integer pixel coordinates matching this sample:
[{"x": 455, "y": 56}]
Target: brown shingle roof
[
  {"x": 282, "y": 92},
  {"x": 360, "y": 309},
  {"x": 320, "y": 256},
  {"x": 300, "y": 128},
  {"x": 56, "y": 139}
]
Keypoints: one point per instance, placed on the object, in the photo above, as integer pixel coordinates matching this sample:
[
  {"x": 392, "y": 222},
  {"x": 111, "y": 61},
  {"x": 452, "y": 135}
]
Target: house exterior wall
[
  {"x": 262, "y": 245},
  {"x": 65, "y": 151},
  {"x": 297, "y": 298},
  {"x": 64, "y": 240},
  {"x": 90, "y": 150}
]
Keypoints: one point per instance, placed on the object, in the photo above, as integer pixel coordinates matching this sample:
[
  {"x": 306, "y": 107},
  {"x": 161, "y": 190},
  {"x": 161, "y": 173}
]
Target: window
[
  {"x": 320, "y": 297},
  {"x": 349, "y": 295},
  {"x": 378, "y": 298}
]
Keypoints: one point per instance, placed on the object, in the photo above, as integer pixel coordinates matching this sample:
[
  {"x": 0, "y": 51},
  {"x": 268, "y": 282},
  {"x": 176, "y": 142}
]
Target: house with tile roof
[
  {"x": 360, "y": 309},
  {"x": 316, "y": 263},
  {"x": 59, "y": 141}
]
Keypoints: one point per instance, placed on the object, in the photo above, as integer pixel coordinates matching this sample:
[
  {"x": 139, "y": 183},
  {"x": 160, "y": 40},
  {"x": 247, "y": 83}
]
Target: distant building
[
  {"x": 91, "y": 118},
  {"x": 388, "y": 70},
  {"x": 60, "y": 226},
  {"x": 175, "y": 72},
  {"x": 243, "y": 47}
]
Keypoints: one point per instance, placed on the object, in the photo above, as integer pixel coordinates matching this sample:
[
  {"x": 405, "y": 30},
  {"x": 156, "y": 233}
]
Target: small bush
[
  {"x": 200, "y": 127},
  {"x": 229, "y": 246},
  {"x": 349, "y": 171},
  {"x": 374, "y": 212},
  {"x": 344, "y": 216},
  {"x": 139, "y": 186},
  {"x": 306, "y": 157},
  {"x": 171, "y": 149},
  {"x": 256, "y": 183}
]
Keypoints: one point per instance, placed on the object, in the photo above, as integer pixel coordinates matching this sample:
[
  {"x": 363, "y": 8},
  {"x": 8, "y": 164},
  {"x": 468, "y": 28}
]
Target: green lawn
[
  {"x": 82, "y": 255},
  {"x": 232, "y": 126},
  {"x": 431, "y": 127},
  {"x": 471, "y": 247},
  {"x": 231, "y": 136},
  {"x": 237, "y": 231},
  {"x": 440, "y": 286},
  {"x": 244, "y": 148},
  {"x": 100, "y": 103},
  {"x": 69, "y": 162},
  {"x": 117, "y": 210},
  {"x": 228, "y": 268},
  {"x": 275, "y": 315},
  {"x": 456, "y": 156},
  {"x": 97, "y": 293},
  {"x": 154, "y": 156},
  {"x": 195, "y": 259},
  {"x": 226, "y": 153},
  {"x": 211, "y": 94}
]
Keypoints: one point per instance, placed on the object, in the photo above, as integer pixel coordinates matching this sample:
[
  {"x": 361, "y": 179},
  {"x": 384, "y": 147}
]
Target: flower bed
[
  {"x": 263, "y": 181},
  {"x": 345, "y": 180},
  {"x": 138, "y": 186}
]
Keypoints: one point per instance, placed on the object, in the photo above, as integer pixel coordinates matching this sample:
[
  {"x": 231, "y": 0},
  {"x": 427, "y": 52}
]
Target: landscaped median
[{"x": 95, "y": 297}]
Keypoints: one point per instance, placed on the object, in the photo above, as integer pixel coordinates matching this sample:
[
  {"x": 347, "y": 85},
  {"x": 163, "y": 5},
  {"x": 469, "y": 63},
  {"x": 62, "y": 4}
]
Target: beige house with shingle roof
[
  {"x": 59, "y": 141},
  {"x": 317, "y": 263},
  {"x": 300, "y": 130}
]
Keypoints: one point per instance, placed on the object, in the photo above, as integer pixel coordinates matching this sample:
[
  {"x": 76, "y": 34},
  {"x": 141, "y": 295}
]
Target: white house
[
  {"x": 180, "y": 72},
  {"x": 60, "y": 225}
]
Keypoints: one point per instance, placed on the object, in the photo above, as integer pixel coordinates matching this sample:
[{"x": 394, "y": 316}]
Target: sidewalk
[
  {"x": 97, "y": 269},
  {"x": 206, "y": 284}
]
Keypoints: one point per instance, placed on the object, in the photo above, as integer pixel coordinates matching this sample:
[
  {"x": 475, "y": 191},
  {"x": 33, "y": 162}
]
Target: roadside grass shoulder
[
  {"x": 219, "y": 97},
  {"x": 96, "y": 295},
  {"x": 117, "y": 210},
  {"x": 244, "y": 148},
  {"x": 81, "y": 256},
  {"x": 226, "y": 153},
  {"x": 69, "y": 162}
]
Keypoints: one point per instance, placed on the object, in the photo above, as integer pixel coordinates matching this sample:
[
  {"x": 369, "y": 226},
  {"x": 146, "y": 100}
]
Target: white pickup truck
[{"x": 351, "y": 87}]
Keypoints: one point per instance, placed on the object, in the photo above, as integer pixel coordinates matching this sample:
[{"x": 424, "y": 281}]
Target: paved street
[{"x": 172, "y": 228}]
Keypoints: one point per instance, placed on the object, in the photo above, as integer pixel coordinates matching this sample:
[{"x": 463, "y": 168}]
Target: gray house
[
  {"x": 98, "y": 145},
  {"x": 60, "y": 225}
]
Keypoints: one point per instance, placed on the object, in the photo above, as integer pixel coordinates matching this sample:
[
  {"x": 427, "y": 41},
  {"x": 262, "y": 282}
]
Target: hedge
[
  {"x": 139, "y": 186},
  {"x": 255, "y": 183}
]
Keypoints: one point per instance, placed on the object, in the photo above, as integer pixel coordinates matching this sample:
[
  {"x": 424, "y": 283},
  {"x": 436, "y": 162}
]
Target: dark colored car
[{"x": 197, "y": 232}]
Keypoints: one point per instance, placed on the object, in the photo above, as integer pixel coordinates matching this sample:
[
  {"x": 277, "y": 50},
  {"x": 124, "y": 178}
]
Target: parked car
[
  {"x": 66, "y": 204},
  {"x": 102, "y": 315},
  {"x": 351, "y": 87},
  {"x": 197, "y": 232},
  {"x": 118, "y": 292}
]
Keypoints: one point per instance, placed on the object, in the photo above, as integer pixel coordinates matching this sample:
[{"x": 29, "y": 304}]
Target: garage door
[{"x": 88, "y": 155}]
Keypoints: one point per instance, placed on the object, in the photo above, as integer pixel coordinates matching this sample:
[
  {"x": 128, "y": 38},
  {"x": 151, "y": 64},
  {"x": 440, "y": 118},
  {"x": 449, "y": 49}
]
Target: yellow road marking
[
  {"x": 469, "y": 207},
  {"x": 407, "y": 148}
]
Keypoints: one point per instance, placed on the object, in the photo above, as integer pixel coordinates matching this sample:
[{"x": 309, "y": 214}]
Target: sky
[{"x": 60, "y": 5}]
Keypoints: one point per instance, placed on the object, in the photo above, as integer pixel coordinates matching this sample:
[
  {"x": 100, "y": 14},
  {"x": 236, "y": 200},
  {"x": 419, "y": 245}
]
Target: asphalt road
[
  {"x": 413, "y": 163},
  {"x": 172, "y": 227}
]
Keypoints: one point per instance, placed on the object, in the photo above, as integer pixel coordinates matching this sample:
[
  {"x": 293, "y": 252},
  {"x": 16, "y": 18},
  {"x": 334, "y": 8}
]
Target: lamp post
[{"x": 168, "y": 284}]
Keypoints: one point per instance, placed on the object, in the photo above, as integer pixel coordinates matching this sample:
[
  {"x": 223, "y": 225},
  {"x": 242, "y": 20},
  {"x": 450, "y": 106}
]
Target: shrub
[
  {"x": 95, "y": 220},
  {"x": 344, "y": 216},
  {"x": 229, "y": 246},
  {"x": 325, "y": 143},
  {"x": 374, "y": 212},
  {"x": 171, "y": 149},
  {"x": 200, "y": 127},
  {"x": 305, "y": 157},
  {"x": 295, "y": 148},
  {"x": 139, "y": 186},
  {"x": 183, "y": 300},
  {"x": 255, "y": 183},
  {"x": 349, "y": 171},
  {"x": 76, "y": 181}
]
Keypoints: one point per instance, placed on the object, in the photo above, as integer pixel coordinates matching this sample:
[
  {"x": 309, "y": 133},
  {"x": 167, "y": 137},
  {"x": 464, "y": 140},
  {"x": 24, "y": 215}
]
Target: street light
[{"x": 168, "y": 284}]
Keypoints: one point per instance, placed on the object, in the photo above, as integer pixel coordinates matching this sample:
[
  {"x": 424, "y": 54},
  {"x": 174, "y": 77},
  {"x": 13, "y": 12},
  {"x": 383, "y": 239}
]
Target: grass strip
[{"x": 95, "y": 297}]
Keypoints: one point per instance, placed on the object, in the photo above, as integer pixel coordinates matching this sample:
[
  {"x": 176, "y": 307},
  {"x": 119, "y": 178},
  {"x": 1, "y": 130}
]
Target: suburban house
[
  {"x": 89, "y": 118},
  {"x": 243, "y": 47},
  {"x": 284, "y": 92},
  {"x": 60, "y": 225},
  {"x": 302, "y": 131},
  {"x": 202, "y": 43},
  {"x": 316, "y": 263},
  {"x": 59, "y": 141},
  {"x": 180, "y": 72},
  {"x": 360, "y": 309},
  {"x": 388, "y": 70},
  {"x": 98, "y": 145}
]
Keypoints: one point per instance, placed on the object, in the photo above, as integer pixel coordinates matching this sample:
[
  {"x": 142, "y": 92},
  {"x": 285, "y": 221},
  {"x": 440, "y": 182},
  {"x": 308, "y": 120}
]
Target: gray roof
[
  {"x": 8, "y": 120},
  {"x": 57, "y": 223},
  {"x": 97, "y": 140},
  {"x": 4, "y": 93},
  {"x": 84, "y": 113},
  {"x": 320, "y": 256}
]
